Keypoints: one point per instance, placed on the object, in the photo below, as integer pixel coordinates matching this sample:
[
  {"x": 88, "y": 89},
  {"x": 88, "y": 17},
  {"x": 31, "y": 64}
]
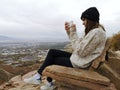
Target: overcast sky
[{"x": 44, "y": 19}]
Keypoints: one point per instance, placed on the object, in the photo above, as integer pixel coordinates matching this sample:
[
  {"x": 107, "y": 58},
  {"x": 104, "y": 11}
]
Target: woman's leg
[
  {"x": 63, "y": 61},
  {"x": 53, "y": 58},
  {"x": 52, "y": 54}
]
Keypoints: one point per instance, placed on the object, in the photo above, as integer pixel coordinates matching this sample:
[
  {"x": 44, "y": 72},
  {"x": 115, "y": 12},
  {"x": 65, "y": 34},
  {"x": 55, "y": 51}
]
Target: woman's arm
[
  {"x": 95, "y": 40},
  {"x": 71, "y": 31}
]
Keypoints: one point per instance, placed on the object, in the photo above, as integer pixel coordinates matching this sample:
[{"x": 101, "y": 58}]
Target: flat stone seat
[
  {"x": 78, "y": 77},
  {"x": 77, "y": 74}
]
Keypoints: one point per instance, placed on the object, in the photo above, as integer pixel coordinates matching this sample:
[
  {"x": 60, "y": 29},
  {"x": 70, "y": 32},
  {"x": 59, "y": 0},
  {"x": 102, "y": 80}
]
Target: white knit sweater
[{"x": 88, "y": 48}]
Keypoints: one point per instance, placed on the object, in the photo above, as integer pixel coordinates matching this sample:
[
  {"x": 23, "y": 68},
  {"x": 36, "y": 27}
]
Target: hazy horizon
[{"x": 5, "y": 39}]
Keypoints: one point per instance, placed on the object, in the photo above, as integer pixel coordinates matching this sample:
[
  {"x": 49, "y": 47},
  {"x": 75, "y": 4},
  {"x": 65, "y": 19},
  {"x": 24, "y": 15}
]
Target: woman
[{"x": 85, "y": 49}]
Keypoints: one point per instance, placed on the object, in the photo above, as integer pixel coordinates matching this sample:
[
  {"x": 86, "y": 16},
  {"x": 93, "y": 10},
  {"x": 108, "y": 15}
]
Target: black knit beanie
[{"x": 91, "y": 13}]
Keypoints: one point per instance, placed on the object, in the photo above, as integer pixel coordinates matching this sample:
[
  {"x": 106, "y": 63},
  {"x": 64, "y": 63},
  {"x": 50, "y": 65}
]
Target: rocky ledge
[{"x": 16, "y": 83}]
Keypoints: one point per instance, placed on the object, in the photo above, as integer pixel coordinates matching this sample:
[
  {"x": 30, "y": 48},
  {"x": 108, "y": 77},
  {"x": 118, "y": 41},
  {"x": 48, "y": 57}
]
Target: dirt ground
[{"x": 19, "y": 70}]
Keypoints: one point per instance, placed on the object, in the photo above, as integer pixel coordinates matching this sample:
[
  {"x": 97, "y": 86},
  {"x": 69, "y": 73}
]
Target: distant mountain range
[
  {"x": 15, "y": 39},
  {"x": 6, "y": 41},
  {"x": 6, "y": 38}
]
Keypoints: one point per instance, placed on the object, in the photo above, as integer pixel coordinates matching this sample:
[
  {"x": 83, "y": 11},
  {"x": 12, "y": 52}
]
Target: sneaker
[
  {"x": 48, "y": 86},
  {"x": 36, "y": 79}
]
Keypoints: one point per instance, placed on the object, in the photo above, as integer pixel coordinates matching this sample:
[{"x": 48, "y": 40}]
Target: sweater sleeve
[
  {"x": 89, "y": 44},
  {"x": 74, "y": 39}
]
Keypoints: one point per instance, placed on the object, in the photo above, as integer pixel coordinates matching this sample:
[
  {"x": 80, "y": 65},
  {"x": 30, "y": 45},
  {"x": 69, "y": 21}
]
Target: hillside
[{"x": 16, "y": 83}]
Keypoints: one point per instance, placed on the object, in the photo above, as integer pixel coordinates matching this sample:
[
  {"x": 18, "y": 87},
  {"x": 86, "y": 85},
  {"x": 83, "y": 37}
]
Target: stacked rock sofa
[{"x": 94, "y": 78}]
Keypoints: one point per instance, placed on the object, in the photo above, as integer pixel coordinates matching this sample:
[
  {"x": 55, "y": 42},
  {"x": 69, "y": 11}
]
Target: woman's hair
[{"x": 91, "y": 25}]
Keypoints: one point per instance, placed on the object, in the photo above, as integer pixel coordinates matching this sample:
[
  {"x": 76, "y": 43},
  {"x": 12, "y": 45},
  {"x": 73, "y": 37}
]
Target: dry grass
[{"x": 115, "y": 44}]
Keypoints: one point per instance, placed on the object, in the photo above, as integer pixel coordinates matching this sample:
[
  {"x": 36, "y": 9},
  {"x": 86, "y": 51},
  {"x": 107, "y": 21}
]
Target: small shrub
[{"x": 115, "y": 44}]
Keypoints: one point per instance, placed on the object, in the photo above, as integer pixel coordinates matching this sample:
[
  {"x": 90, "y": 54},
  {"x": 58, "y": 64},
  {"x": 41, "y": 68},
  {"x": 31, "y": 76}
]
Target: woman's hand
[{"x": 68, "y": 27}]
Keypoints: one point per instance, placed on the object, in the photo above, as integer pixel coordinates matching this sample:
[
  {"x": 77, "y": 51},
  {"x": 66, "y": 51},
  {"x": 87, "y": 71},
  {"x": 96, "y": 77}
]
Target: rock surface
[
  {"x": 16, "y": 83},
  {"x": 78, "y": 79}
]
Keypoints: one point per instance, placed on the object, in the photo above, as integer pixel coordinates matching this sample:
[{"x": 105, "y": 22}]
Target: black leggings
[{"x": 56, "y": 57}]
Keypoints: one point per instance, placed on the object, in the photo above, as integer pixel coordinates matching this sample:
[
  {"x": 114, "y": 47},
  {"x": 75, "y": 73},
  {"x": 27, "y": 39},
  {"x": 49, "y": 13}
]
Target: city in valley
[{"x": 26, "y": 53}]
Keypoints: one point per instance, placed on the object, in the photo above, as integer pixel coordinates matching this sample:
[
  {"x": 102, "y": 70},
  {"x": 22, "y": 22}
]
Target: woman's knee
[{"x": 52, "y": 50}]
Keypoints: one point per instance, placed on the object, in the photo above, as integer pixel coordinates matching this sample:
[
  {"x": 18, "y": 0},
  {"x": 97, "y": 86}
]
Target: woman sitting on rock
[{"x": 85, "y": 49}]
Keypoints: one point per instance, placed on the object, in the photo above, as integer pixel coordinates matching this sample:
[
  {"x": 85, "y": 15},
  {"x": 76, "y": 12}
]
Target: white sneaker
[
  {"x": 48, "y": 86},
  {"x": 36, "y": 79}
]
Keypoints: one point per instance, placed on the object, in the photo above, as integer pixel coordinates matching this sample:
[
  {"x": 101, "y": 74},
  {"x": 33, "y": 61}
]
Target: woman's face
[{"x": 84, "y": 22}]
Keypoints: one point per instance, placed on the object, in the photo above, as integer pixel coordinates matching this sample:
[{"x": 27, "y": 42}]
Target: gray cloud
[{"x": 45, "y": 18}]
